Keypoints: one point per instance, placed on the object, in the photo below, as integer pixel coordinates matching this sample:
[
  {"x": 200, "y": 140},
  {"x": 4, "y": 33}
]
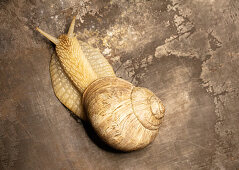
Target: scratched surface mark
[{"x": 187, "y": 52}]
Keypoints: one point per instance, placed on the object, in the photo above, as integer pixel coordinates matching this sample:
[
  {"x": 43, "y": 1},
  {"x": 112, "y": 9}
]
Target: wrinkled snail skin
[
  {"x": 64, "y": 89},
  {"x": 124, "y": 116}
]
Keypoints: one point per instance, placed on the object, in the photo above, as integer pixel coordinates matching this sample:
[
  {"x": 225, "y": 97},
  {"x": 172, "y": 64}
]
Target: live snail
[{"x": 124, "y": 116}]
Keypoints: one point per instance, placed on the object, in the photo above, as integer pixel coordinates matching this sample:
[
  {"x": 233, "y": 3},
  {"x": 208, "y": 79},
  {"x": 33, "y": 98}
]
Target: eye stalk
[
  {"x": 48, "y": 36},
  {"x": 71, "y": 29},
  {"x": 55, "y": 40}
]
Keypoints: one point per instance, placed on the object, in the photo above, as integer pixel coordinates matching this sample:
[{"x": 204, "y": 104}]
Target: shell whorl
[
  {"x": 121, "y": 113},
  {"x": 145, "y": 102}
]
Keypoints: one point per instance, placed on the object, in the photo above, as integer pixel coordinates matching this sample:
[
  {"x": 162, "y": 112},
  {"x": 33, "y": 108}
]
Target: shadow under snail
[{"x": 125, "y": 117}]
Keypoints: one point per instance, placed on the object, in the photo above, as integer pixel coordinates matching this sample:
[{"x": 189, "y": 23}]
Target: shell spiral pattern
[{"x": 124, "y": 116}]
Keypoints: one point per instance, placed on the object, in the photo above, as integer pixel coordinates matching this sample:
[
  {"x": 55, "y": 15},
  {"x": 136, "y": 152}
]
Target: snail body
[
  {"x": 65, "y": 90},
  {"x": 124, "y": 116}
]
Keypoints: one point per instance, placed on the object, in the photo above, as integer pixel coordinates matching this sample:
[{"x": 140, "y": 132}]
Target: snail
[{"x": 125, "y": 117}]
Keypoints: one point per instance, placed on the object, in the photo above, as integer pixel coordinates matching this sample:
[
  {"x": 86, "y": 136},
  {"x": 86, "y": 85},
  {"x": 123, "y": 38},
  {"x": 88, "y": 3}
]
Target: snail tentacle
[
  {"x": 48, "y": 36},
  {"x": 71, "y": 29}
]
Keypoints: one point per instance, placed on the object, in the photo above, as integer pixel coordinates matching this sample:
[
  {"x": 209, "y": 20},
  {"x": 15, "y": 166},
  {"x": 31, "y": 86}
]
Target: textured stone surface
[{"x": 187, "y": 52}]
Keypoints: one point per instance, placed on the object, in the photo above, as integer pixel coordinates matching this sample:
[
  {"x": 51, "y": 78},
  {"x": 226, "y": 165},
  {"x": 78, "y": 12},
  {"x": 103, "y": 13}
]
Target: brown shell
[{"x": 125, "y": 117}]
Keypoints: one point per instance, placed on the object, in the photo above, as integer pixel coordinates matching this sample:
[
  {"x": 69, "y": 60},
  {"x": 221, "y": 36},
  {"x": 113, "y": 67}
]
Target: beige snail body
[{"x": 124, "y": 116}]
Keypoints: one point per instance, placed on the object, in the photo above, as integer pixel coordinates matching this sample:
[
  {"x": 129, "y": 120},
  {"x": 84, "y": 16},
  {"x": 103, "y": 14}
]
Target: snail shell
[{"x": 124, "y": 116}]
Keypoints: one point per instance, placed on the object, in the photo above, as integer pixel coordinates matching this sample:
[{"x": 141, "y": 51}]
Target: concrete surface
[{"x": 187, "y": 52}]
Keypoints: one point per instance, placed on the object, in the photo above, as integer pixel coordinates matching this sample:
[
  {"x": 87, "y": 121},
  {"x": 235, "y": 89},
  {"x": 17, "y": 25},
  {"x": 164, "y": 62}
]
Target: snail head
[{"x": 63, "y": 37}]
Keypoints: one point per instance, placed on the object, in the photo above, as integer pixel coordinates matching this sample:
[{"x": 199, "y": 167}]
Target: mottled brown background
[{"x": 186, "y": 51}]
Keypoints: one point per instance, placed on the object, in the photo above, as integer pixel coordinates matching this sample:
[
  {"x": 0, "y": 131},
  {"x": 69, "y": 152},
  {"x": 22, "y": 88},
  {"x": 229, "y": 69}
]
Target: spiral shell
[{"x": 124, "y": 116}]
